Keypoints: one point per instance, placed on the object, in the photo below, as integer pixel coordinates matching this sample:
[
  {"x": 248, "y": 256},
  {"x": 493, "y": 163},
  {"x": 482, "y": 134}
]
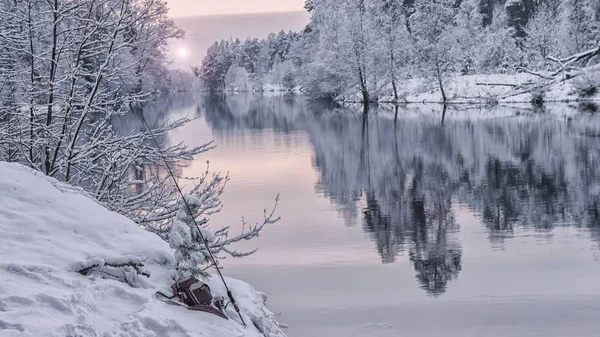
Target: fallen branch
[
  {"x": 554, "y": 60},
  {"x": 96, "y": 264},
  {"x": 528, "y": 89},
  {"x": 138, "y": 267},
  {"x": 568, "y": 62},
  {"x": 534, "y": 73},
  {"x": 498, "y": 84}
]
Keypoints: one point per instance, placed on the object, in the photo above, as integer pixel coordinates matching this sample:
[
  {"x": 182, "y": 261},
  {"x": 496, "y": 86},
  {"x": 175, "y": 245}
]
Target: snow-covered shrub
[
  {"x": 187, "y": 239},
  {"x": 587, "y": 84},
  {"x": 289, "y": 83},
  {"x": 189, "y": 234},
  {"x": 538, "y": 97},
  {"x": 321, "y": 82}
]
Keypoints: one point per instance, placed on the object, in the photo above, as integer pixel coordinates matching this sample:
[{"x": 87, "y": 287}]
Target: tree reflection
[
  {"x": 402, "y": 173},
  {"x": 435, "y": 257}
]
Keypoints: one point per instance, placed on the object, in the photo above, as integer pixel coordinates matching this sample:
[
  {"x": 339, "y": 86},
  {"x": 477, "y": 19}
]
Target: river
[{"x": 415, "y": 222}]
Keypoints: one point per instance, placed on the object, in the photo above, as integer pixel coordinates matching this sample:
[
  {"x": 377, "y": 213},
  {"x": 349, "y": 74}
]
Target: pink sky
[{"x": 180, "y": 8}]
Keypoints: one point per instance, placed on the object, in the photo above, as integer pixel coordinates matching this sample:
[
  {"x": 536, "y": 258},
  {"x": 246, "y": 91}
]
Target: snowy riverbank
[
  {"x": 468, "y": 89},
  {"x": 482, "y": 89},
  {"x": 48, "y": 228}
]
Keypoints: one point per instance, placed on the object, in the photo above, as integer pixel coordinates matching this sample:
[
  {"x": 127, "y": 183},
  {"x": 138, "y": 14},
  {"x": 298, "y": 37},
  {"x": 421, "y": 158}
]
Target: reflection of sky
[
  {"x": 317, "y": 269},
  {"x": 260, "y": 166},
  {"x": 263, "y": 163}
]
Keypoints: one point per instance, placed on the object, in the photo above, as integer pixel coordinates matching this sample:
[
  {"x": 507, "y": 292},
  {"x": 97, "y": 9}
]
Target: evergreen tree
[
  {"x": 187, "y": 240},
  {"x": 212, "y": 72},
  {"x": 518, "y": 15}
]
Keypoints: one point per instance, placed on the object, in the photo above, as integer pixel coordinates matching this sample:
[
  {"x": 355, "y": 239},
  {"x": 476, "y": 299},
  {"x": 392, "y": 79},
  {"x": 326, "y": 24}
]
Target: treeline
[
  {"x": 249, "y": 65},
  {"x": 372, "y": 47}
]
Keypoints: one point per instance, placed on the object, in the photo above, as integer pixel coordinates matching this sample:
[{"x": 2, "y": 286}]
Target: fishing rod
[{"x": 187, "y": 205}]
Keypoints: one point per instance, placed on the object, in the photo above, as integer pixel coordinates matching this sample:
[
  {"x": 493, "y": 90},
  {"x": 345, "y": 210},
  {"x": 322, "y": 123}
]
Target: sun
[{"x": 183, "y": 52}]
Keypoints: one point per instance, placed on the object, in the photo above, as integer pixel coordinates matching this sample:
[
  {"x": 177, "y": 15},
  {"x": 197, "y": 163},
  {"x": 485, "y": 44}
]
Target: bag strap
[
  {"x": 165, "y": 296},
  {"x": 176, "y": 294}
]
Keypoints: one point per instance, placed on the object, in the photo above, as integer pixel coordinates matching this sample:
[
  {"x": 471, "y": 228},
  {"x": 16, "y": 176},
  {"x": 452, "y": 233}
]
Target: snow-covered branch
[{"x": 190, "y": 235}]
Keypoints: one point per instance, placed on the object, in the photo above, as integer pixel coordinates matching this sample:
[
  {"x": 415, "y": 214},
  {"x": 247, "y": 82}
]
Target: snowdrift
[{"x": 49, "y": 230}]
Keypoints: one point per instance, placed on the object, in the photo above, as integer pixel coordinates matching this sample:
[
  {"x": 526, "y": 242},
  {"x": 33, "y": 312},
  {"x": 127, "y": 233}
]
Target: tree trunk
[
  {"x": 363, "y": 85},
  {"x": 53, "y": 65},
  {"x": 32, "y": 78},
  {"x": 393, "y": 73},
  {"x": 440, "y": 82}
]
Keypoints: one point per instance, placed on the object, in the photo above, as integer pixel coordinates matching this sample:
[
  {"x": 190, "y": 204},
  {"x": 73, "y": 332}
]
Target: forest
[
  {"x": 370, "y": 51},
  {"x": 76, "y": 78}
]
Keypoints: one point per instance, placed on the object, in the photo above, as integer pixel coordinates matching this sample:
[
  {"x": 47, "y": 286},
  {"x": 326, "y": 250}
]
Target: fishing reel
[{"x": 219, "y": 302}]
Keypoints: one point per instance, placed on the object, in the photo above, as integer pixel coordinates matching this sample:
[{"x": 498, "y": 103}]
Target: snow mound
[{"x": 50, "y": 231}]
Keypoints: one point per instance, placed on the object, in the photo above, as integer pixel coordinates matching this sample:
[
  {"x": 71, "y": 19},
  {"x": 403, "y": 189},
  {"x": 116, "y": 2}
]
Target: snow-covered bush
[
  {"x": 188, "y": 240},
  {"x": 588, "y": 83},
  {"x": 189, "y": 234},
  {"x": 538, "y": 97},
  {"x": 289, "y": 83},
  {"x": 320, "y": 82}
]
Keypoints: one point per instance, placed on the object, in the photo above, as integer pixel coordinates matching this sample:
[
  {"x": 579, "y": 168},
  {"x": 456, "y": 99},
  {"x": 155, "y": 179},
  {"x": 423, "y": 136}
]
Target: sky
[
  {"x": 202, "y": 31},
  {"x": 183, "y": 8}
]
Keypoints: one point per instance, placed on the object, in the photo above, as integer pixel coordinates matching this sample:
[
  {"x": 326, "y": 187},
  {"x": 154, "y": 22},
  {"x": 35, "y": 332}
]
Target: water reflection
[{"x": 404, "y": 172}]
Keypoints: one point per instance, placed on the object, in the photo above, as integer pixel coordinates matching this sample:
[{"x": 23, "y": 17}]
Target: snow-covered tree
[
  {"x": 390, "y": 23},
  {"x": 542, "y": 35},
  {"x": 360, "y": 50},
  {"x": 182, "y": 81},
  {"x": 498, "y": 51},
  {"x": 219, "y": 58},
  {"x": 280, "y": 71},
  {"x": 71, "y": 71},
  {"x": 189, "y": 234},
  {"x": 466, "y": 37},
  {"x": 432, "y": 24},
  {"x": 237, "y": 79},
  {"x": 518, "y": 13}
]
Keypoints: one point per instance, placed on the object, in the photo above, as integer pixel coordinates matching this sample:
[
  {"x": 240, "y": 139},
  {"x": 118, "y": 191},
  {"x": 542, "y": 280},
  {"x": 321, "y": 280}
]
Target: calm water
[{"x": 480, "y": 223}]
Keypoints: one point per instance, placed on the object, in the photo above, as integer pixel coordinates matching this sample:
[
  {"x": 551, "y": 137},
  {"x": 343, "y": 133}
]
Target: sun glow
[{"x": 183, "y": 52}]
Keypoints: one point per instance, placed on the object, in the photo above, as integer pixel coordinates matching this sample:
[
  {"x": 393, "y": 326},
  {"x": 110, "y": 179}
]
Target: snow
[
  {"x": 49, "y": 233},
  {"x": 462, "y": 89}
]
